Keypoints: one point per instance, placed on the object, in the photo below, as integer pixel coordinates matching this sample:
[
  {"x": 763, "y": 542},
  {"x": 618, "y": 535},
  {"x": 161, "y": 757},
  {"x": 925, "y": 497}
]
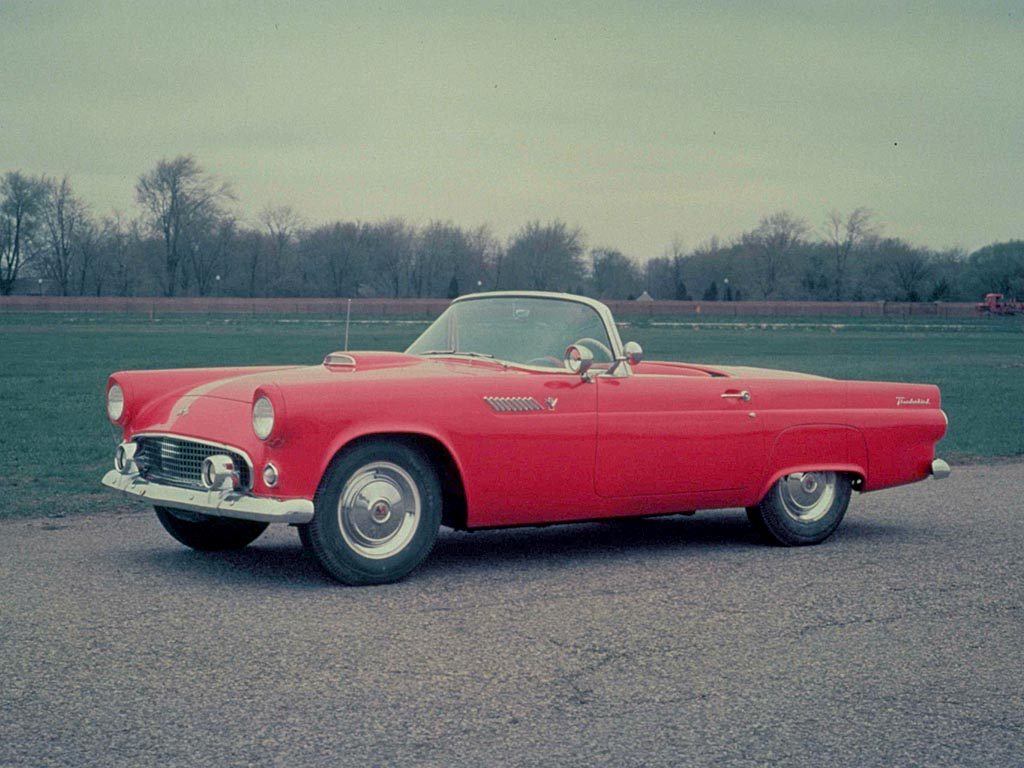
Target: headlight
[
  {"x": 262, "y": 418},
  {"x": 115, "y": 403}
]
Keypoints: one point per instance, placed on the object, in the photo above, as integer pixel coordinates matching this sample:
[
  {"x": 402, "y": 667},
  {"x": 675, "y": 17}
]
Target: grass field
[{"x": 55, "y": 441}]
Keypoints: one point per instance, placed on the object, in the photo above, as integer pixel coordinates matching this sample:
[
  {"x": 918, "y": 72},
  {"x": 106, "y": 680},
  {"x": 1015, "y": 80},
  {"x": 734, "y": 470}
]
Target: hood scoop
[
  {"x": 368, "y": 361},
  {"x": 340, "y": 359}
]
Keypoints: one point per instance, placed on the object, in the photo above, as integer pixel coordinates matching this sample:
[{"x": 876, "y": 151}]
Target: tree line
[{"x": 188, "y": 238}]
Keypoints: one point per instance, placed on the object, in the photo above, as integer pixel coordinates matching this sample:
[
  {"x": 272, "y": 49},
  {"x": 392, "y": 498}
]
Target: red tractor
[{"x": 994, "y": 304}]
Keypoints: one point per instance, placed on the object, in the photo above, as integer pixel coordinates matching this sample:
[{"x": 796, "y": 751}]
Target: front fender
[{"x": 390, "y": 429}]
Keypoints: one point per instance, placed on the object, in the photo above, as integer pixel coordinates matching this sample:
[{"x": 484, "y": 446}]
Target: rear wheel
[
  {"x": 208, "y": 534},
  {"x": 802, "y": 508},
  {"x": 378, "y": 510}
]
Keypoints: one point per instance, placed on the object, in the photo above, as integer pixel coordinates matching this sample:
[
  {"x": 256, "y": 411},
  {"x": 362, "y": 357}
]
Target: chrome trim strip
[
  {"x": 216, "y": 503},
  {"x": 940, "y": 469}
]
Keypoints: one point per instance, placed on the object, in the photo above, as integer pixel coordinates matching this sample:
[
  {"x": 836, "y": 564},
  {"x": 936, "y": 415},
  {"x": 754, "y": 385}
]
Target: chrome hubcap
[
  {"x": 379, "y": 510},
  {"x": 807, "y": 496}
]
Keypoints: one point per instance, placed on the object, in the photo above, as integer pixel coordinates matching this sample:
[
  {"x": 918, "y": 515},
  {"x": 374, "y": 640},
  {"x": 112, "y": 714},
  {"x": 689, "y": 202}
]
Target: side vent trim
[{"x": 513, "y": 404}]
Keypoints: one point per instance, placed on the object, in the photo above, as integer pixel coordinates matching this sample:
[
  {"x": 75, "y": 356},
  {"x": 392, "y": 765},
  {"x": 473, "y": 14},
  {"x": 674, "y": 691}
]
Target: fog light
[
  {"x": 270, "y": 475},
  {"x": 124, "y": 458},
  {"x": 218, "y": 473}
]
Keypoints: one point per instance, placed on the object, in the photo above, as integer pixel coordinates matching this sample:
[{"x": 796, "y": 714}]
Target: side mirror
[
  {"x": 633, "y": 352},
  {"x": 578, "y": 359}
]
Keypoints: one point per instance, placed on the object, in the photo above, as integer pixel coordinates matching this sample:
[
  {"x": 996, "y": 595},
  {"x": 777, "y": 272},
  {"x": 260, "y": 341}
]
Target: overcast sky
[{"x": 639, "y": 122}]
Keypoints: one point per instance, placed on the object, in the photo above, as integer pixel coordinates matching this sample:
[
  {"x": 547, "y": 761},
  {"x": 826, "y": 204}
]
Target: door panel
[
  {"x": 674, "y": 434},
  {"x": 527, "y": 443}
]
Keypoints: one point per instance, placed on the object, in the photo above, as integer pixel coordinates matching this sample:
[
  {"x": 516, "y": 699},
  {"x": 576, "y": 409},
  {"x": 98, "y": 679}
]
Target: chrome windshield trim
[
  {"x": 498, "y": 361},
  {"x": 602, "y": 310}
]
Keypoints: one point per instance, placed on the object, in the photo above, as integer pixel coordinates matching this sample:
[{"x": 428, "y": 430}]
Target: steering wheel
[{"x": 587, "y": 341}]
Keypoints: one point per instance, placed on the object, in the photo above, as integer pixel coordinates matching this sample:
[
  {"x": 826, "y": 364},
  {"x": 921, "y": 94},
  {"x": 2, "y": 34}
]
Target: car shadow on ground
[
  {"x": 283, "y": 561},
  {"x": 698, "y": 536}
]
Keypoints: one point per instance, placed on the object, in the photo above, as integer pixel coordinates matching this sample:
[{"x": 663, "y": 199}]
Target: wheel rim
[
  {"x": 379, "y": 510},
  {"x": 807, "y": 496}
]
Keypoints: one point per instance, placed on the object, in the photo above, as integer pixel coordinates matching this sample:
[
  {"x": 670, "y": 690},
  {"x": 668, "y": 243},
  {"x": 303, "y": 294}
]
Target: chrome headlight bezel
[
  {"x": 263, "y": 417},
  {"x": 115, "y": 403},
  {"x": 270, "y": 475}
]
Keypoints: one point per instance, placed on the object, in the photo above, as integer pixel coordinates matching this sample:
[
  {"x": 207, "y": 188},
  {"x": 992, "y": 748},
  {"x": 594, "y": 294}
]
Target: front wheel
[
  {"x": 378, "y": 510},
  {"x": 802, "y": 508},
  {"x": 208, "y": 534}
]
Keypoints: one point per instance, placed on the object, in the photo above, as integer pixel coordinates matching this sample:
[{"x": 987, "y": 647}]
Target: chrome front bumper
[{"x": 217, "y": 503}]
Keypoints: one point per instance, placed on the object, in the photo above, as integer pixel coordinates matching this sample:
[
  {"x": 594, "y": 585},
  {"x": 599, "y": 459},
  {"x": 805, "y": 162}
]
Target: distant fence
[{"x": 427, "y": 308}]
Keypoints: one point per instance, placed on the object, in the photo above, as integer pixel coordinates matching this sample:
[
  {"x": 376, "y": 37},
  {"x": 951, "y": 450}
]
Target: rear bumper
[
  {"x": 940, "y": 469},
  {"x": 217, "y": 503}
]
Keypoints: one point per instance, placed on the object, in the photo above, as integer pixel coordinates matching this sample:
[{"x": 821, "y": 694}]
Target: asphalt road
[{"x": 666, "y": 642}]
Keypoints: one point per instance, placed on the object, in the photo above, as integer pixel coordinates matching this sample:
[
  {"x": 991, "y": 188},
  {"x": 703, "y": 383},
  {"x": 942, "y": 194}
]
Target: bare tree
[
  {"x": 485, "y": 252},
  {"x": 447, "y": 259},
  {"x": 252, "y": 249},
  {"x": 210, "y": 244},
  {"x": 843, "y": 236},
  {"x": 676, "y": 253},
  {"x": 771, "y": 244},
  {"x": 88, "y": 247},
  {"x": 282, "y": 223},
  {"x": 910, "y": 267},
  {"x": 544, "y": 257},
  {"x": 389, "y": 249},
  {"x": 998, "y": 267},
  {"x": 175, "y": 196},
  {"x": 614, "y": 275},
  {"x": 21, "y": 203},
  {"x": 110, "y": 265},
  {"x": 65, "y": 216},
  {"x": 336, "y": 251}
]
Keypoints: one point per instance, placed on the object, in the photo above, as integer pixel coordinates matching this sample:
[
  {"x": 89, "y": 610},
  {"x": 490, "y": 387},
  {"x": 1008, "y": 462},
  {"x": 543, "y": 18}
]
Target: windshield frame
[{"x": 602, "y": 312}]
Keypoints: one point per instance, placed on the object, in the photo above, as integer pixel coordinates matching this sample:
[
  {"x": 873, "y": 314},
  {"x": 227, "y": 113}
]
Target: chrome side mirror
[
  {"x": 631, "y": 353},
  {"x": 634, "y": 352},
  {"x": 578, "y": 359}
]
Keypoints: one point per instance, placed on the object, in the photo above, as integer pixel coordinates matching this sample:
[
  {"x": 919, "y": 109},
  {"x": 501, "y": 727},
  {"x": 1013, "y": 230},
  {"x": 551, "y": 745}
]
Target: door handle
[{"x": 744, "y": 395}]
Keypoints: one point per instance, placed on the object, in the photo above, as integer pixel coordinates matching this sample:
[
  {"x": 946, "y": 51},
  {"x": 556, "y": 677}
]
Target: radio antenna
[{"x": 348, "y": 316}]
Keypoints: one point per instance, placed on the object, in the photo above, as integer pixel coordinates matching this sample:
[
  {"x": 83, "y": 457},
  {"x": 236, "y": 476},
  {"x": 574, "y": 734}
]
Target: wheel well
[
  {"x": 856, "y": 475},
  {"x": 453, "y": 492}
]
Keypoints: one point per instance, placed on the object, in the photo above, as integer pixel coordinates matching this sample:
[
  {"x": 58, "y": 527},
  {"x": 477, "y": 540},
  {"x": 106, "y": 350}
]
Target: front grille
[{"x": 179, "y": 462}]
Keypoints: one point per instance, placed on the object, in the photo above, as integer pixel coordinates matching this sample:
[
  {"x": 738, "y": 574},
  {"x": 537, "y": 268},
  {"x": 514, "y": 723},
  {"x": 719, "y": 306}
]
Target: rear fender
[{"x": 816, "y": 448}]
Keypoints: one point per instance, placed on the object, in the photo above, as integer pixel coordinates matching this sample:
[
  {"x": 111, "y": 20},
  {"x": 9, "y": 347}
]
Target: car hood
[{"x": 337, "y": 367}]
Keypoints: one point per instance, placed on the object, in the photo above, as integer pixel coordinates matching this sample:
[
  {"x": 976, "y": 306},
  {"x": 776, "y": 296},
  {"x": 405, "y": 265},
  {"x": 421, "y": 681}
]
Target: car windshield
[{"x": 527, "y": 330}]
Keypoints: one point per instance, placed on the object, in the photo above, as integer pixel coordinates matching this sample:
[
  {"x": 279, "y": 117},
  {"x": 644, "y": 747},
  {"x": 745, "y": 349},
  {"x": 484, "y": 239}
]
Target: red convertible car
[{"x": 512, "y": 408}]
